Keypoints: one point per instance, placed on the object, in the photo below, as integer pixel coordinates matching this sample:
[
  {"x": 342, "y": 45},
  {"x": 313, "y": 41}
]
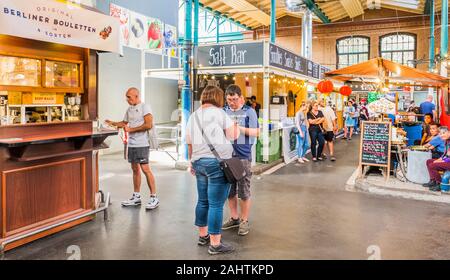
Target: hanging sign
[
  {"x": 61, "y": 23},
  {"x": 287, "y": 60},
  {"x": 241, "y": 54}
]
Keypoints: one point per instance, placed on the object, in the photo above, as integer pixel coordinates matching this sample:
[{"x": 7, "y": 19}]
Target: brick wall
[{"x": 325, "y": 36}]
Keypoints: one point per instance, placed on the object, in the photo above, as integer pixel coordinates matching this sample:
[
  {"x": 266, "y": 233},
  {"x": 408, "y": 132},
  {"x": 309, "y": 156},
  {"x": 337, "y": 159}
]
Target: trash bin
[
  {"x": 413, "y": 131},
  {"x": 417, "y": 171}
]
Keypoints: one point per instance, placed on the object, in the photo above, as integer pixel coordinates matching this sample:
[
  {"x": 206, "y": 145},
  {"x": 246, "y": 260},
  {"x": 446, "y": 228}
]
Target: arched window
[
  {"x": 399, "y": 47},
  {"x": 352, "y": 50}
]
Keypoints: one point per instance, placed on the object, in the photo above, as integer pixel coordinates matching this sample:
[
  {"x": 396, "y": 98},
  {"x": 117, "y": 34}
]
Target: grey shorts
[
  {"x": 242, "y": 188},
  {"x": 138, "y": 154}
]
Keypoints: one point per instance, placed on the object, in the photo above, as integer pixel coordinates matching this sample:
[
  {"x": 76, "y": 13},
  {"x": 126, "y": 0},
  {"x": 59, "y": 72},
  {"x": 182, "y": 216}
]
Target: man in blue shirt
[
  {"x": 247, "y": 120},
  {"x": 428, "y": 107}
]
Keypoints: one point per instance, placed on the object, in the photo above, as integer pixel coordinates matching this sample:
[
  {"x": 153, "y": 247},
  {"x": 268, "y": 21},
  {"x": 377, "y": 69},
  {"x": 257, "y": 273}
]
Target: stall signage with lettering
[
  {"x": 44, "y": 98},
  {"x": 62, "y": 23},
  {"x": 287, "y": 60},
  {"x": 231, "y": 55}
]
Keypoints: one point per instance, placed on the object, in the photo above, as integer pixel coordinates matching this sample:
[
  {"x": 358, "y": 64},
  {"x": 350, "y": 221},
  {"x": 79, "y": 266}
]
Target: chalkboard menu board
[{"x": 375, "y": 144}]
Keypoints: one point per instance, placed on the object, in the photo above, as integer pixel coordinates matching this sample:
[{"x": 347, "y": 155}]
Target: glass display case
[
  {"x": 62, "y": 74},
  {"x": 18, "y": 71}
]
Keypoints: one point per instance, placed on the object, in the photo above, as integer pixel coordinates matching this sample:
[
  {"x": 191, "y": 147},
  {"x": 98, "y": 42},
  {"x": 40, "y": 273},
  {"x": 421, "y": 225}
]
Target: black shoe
[
  {"x": 204, "y": 240},
  {"x": 221, "y": 249},
  {"x": 436, "y": 188},
  {"x": 429, "y": 184}
]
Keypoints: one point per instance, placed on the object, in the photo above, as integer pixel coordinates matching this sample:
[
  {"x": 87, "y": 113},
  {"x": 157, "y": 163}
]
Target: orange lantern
[
  {"x": 345, "y": 90},
  {"x": 325, "y": 86}
]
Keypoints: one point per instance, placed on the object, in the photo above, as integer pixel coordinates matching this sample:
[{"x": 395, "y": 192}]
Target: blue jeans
[
  {"x": 213, "y": 190},
  {"x": 302, "y": 143},
  {"x": 316, "y": 138}
]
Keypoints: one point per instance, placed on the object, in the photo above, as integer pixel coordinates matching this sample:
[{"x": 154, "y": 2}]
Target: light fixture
[
  {"x": 234, "y": 78},
  {"x": 213, "y": 77},
  {"x": 246, "y": 78},
  {"x": 225, "y": 78},
  {"x": 254, "y": 76},
  {"x": 205, "y": 77}
]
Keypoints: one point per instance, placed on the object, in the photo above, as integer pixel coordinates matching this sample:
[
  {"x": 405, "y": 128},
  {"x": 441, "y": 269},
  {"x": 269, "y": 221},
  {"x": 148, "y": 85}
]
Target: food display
[
  {"x": 18, "y": 71},
  {"x": 382, "y": 106}
]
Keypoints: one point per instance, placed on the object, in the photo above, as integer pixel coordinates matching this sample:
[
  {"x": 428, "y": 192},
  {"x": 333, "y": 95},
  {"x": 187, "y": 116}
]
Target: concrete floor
[{"x": 299, "y": 212}]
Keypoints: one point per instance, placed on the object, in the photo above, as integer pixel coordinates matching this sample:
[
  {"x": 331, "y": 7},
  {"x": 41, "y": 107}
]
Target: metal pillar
[
  {"x": 196, "y": 16},
  {"x": 307, "y": 34},
  {"x": 273, "y": 27},
  {"x": 186, "y": 92},
  {"x": 217, "y": 28},
  {"x": 432, "y": 54},
  {"x": 195, "y": 51},
  {"x": 444, "y": 28}
]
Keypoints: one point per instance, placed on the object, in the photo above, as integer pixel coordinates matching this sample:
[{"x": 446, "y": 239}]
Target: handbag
[{"x": 232, "y": 168}]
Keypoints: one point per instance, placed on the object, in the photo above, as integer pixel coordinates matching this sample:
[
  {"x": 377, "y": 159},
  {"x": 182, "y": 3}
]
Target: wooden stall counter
[{"x": 49, "y": 173}]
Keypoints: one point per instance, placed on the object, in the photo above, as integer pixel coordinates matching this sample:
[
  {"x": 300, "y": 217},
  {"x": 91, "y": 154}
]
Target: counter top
[{"x": 49, "y": 138}]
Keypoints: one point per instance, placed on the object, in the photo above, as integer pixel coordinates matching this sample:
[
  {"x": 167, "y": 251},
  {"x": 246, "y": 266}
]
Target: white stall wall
[{"x": 116, "y": 75}]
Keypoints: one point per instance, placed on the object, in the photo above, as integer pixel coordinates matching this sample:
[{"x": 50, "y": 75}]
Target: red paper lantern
[
  {"x": 325, "y": 86},
  {"x": 345, "y": 90},
  {"x": 406, "y": 88}
]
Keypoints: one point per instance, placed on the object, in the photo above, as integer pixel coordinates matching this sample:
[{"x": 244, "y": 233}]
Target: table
[{"x": 400, "y": 151}]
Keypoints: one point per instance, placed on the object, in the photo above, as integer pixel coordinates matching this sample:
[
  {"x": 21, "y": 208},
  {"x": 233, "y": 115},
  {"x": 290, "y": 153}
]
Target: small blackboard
[{"x": 375, "y": 149}]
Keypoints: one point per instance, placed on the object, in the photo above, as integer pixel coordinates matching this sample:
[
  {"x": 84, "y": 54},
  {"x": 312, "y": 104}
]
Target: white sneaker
[
  {"x": 152, "y": 204},
  {"x": 135, "y": 200},
  {"x": 305, "y": 159}
]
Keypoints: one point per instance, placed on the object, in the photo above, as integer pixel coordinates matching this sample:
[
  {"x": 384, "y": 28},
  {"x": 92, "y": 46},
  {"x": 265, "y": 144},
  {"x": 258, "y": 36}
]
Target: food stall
[
  {"x": 385, "y": 79},
  {"x": 277, "y": 77},
  {"x": 48, "y": 140}
]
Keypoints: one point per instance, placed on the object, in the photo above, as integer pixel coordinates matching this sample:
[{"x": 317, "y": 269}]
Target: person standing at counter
[
  {"x": 428, "y": 107},
  {"x": 247, "y": 120},
  {"x": 316, "y": 119},
  {"x": 255, "y": 105},
  {"x": 138, "y": 120}
]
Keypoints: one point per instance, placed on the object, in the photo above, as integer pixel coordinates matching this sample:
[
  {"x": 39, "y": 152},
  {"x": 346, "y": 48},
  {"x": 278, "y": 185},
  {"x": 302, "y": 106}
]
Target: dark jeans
[
  {"x": 316, "y": 137},
  {"x": 213, "y": 190},
  {"x": 435, "y": 167}
]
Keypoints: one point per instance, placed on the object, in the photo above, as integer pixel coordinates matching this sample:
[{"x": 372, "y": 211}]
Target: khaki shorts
[{"x": 242, "y": 188}]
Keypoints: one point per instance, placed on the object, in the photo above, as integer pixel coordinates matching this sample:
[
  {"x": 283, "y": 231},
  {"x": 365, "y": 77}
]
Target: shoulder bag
[
  {"x": 320, "y": 125},
  {"x": 232, "y": 168}
]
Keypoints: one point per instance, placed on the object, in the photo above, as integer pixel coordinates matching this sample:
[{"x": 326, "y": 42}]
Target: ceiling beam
[
  {"x": 352, "y": 7},
  {"x": 249, "y": 9},
  {"x": 312, "y": 6}
]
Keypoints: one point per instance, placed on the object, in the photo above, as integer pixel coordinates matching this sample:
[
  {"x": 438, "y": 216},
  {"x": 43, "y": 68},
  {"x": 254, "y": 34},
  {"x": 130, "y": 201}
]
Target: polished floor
[{"x": 299, "y": 212}]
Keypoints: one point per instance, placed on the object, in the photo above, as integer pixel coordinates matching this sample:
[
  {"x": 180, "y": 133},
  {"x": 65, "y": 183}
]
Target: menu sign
[
  {"x": 231, "y": 55},
  {"x": 375, "y": 144}
]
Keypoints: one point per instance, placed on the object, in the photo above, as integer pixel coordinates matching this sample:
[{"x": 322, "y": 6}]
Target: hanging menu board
[{"x": 375, "y": 144}]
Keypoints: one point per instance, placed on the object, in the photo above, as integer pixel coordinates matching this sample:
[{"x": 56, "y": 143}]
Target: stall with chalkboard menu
[
  {"x": 375, "y": 148},
  {"x": 277, "y": 77}
]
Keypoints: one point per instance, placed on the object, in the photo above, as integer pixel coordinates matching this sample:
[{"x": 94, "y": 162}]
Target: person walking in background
[
  {"x": 255, "y": 105},
  {"x": 138, "y": 120},
  {"x": 210, "y": 124},
  {"x": 247, "y": 120},
  {"x": 349, "y": 120},
  {"x": 330, "y": 127},
  {"x": 303, "y": 136},
  {"x": 428, "y": 107},
  {"x": 315, "y": 119}
]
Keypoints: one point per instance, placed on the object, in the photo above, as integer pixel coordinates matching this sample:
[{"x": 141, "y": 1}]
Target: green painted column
[
  {"x": 273, "y": 27},
  {"x": 432, "y": 46},
  {"x": 444, "y": 28}
]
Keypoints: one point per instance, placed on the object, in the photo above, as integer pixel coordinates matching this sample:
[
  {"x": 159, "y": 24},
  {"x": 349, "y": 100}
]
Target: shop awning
[{"x": 381, "y": 69}]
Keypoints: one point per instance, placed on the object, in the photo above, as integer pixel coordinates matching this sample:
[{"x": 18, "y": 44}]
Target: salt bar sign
[
  {"x": 241, "y": 54},
  {"x": 62, "y": 23},
  {"x": 287, "y": 60}
]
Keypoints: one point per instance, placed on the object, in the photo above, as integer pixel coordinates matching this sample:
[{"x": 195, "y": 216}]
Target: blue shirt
[
  {"x": 427, "y": 107},
  {"x": 438, "y": 144},
  {"x": 245, "y": 117}
]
